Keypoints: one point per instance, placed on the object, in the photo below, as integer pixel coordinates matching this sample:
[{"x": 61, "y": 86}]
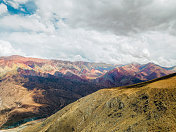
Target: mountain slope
[
  {"x": 24, "y": 96},
  {"x": 84, "y": 70},
  {"x": 131, "y": 74},
  {"x": 149, "y": 106}
]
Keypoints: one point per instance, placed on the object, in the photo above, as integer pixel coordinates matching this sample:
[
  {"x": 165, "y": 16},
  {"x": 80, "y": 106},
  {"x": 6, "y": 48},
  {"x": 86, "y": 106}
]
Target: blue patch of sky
[{"x": 28, "y": 8}]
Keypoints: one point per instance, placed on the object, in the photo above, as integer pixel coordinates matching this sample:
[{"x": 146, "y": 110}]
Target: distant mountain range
[
  {"x": 84, "y": 70},
  {"x": 81, "y": 70},
  {"x": 133, "y": 73},
  {"x": 35, "y": 88},
  {"x": 107, "y": 75}
]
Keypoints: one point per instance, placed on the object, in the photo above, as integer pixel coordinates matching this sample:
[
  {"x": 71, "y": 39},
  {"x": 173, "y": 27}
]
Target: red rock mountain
[
  {"x": 131, "y": 74},
  {"x": 84, "y": 70},
  {"x": 108, "y": 75}
]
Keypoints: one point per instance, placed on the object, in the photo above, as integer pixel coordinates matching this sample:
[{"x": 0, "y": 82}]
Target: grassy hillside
[{"x": 149, "y": 106}]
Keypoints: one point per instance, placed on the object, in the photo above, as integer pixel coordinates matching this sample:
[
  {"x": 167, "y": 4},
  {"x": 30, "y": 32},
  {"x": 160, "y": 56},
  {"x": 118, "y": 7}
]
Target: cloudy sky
[{"x": 110, "y": 31}]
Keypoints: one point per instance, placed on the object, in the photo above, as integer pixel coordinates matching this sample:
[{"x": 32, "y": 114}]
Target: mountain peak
[
  {"x": 151, "y": 64},
  {"x": 12, "y": 57}
]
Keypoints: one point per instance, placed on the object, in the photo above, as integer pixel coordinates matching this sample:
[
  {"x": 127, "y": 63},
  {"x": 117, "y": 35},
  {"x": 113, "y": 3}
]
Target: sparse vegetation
[{"x": 149, "y": 107}]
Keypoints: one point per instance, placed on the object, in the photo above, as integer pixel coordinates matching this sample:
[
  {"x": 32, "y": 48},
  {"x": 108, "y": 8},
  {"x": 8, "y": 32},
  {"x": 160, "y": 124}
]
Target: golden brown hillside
[{"x": 145, "y": 107}]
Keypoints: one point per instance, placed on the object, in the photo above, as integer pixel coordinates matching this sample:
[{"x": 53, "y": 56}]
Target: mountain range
[
  {"x": 144, "y": 107},
  {"x": 33, "y": 88},
  {"x": 108, "y": 74},
  {"x": 83, "y": 70},
  {"x": 133, "y": 73}
]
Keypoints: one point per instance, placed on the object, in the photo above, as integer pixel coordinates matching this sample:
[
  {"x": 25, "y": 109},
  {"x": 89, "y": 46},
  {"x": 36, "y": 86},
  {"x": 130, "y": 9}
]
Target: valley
[{"x": 147, "y": 106}]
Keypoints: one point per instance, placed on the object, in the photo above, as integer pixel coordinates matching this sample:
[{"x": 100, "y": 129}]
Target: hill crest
[{"x": 149, "y": 107}]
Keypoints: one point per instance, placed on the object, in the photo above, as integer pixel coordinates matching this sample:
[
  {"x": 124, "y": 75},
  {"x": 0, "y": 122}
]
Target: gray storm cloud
[{"x": 120, "y": 17}]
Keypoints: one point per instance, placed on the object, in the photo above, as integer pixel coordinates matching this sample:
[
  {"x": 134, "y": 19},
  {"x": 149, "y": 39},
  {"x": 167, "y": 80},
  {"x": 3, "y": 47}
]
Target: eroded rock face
[
  {"x": 147, "y": 107},
  {"x": 115, "y": 103}
]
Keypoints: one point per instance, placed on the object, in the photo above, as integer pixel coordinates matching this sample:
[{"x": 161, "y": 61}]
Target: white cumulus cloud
[
  {"x": 7, "y": 49},
  {"x": 3, "y": 9}
]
